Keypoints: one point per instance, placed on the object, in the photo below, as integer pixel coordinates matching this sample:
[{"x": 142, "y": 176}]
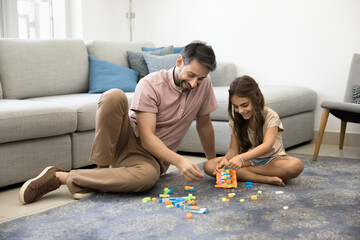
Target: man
[{"x": 132, "y": 149}]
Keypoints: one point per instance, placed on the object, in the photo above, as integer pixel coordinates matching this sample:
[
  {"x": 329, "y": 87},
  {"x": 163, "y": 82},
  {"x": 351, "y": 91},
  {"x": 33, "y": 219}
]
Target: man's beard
[{"x": 184, "y": 89}]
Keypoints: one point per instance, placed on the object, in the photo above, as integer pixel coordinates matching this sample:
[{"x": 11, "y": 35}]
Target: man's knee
[
  {"x": 148, "y": 180},
  {"x": 113, "y": 98}
]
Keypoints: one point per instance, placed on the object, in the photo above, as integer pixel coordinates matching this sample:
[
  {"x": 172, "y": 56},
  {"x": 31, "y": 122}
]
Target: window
[{"x": 33, "y": 19}]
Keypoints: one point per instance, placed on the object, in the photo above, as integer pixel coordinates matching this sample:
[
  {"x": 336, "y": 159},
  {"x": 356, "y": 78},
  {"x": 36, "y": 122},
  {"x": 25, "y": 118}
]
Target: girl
[{"x": 256, "y": 150}]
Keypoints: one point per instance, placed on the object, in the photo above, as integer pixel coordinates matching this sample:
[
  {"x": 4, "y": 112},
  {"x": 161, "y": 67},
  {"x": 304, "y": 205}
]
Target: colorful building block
[
  {"x": 190, "y": 189},
  {"x": 226, "y": 178}
]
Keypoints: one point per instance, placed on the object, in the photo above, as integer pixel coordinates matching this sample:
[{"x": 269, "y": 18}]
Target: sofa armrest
[{"x": 224, "y": 74}]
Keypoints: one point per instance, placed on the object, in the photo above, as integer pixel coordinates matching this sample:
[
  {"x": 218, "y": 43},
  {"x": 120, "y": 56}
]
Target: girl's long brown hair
[{"x": 246, "y": 86}]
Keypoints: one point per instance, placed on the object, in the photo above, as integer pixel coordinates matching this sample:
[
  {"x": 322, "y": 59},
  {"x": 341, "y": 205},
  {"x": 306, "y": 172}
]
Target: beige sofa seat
[{"x": 23, "y": 119}]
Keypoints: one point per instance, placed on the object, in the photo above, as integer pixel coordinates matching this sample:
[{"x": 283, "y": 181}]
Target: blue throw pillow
[
  {"x": 157, "y": 63},
  {"x": 105, "y": 75},
  {"x": 178, "y": 49},
  {"x": 145, "y": 49}
]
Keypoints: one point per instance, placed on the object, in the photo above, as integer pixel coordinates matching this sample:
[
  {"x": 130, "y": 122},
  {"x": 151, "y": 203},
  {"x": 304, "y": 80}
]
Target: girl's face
[{"x": 243, "y": 106}]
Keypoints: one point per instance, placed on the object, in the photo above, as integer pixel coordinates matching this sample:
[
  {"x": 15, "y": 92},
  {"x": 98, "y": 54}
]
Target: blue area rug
[{"x": 323, "y": 203}]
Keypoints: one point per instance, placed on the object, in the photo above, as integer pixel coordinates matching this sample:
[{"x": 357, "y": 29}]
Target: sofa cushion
[
  {"x": 137, "y": 61},
  {"x": 84, "y": 104},
  {"x": 114, "y": 52},
  {"x": 285, "y": 100},
  {"x": 57, "y": 67},
  {"x": 105, "y": 75},
  {"x": 224, "y": 74},
  {"x": 23, "y": 119},
  {"x": 156, "y": 63}
]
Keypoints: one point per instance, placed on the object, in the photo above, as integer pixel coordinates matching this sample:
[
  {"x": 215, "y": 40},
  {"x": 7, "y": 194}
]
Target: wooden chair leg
[
  {"x": 323, "y": 122},
  {"x": 342, "y": 134}
]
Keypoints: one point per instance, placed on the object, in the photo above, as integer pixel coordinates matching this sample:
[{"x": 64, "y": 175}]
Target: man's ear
[{"x": 179, "y": 61}]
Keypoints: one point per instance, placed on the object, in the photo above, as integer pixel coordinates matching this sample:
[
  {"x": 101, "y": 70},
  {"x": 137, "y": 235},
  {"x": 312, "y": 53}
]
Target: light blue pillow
[
  {"x": 157, "y": 63},
  {"x": 178, "y": 49},
  {"x": 105, "y": 75},
  {"x": 137, "y": 61},
  {"x": 145, "y": 49}
]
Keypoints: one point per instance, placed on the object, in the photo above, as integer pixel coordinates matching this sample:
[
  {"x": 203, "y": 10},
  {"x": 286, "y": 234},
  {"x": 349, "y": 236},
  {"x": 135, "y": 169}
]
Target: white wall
[
  {"x": 299, "y": 42},
  {"x": 102, "y": 19}
]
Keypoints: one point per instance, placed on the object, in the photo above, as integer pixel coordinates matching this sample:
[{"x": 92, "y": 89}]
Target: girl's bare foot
[{"x": 277, "y": 181}]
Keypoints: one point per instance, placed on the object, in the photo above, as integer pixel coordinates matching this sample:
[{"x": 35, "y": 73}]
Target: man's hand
[{"x": 189, "y": 170}]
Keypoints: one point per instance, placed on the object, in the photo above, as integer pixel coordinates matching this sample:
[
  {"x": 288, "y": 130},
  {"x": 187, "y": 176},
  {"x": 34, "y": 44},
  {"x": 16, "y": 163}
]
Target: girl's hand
[
  {"x": 221, "y": 164},
  {"x": 235, "y": 163}
]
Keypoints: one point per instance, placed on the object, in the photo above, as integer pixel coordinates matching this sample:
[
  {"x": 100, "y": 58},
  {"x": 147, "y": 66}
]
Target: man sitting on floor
[{"x": 141, "y": 143}]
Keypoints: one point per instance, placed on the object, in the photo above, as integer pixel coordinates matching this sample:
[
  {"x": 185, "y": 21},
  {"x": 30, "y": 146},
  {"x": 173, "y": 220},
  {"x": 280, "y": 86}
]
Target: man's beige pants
[{"x": 133, "y": 169}]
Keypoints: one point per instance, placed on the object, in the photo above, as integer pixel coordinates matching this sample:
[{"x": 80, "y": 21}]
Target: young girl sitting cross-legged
[{"x": 256, "y": 150}]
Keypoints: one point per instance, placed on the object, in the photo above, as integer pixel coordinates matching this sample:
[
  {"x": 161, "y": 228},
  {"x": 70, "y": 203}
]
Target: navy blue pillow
[{"x": 105, "y": 75}]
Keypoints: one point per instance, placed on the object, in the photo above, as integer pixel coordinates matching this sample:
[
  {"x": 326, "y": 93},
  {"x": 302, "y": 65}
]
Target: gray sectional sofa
[{"x": 47, "y": 116}]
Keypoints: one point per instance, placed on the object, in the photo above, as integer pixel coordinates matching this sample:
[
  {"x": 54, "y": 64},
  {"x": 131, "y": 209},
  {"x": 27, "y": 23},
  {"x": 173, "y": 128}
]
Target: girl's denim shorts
[{"x": 262, "y": 161}]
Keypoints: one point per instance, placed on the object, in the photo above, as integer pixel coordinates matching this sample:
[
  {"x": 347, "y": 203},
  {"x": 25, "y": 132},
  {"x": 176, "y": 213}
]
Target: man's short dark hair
[{"x": 203, "y": 53}]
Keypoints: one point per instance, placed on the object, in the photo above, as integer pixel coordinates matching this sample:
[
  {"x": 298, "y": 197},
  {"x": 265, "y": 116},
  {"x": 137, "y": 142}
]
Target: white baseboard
[{"x": 351, "y": 139}]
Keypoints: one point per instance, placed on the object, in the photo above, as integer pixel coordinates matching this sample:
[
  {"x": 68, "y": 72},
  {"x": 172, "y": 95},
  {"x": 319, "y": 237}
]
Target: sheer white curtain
[
  {"x": 33, "y": 19},
  {"x": 8, "y": 20}
]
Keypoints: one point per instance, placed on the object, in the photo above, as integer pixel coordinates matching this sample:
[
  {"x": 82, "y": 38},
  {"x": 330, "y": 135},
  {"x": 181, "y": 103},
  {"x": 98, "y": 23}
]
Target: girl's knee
[
  {"x": 208, "y": 169},
  {"x": 209, "y": 166},
  {"x": 296, "y": 166}
]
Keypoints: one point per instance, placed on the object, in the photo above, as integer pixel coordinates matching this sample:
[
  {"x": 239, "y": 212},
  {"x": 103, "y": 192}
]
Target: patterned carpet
[{"x": 323, "y": 203}]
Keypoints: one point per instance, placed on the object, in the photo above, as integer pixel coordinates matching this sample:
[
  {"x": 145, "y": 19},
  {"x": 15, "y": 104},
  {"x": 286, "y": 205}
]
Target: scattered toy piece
[
  {"x": 248, "y": 184},
  {"x": 253, "y": 197},
  {"x": 146, "y": 199},
  {"x": 285, "y": 207},
  {"x": 190, "y": 189},
  {"x": 259, "y": 192},
  {"x": 279, "y": 192},
  {"x": 242, "y": 200},
  {"x": 188, "y": 215},
  {"x": 199, "y": 210}
]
